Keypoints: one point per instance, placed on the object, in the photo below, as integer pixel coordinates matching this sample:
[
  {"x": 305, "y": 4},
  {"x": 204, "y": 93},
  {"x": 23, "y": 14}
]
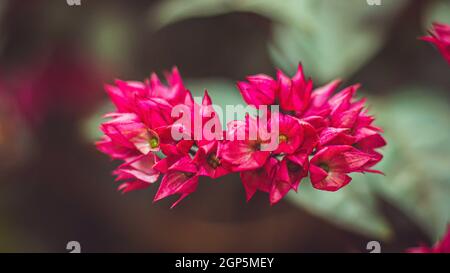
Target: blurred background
[{"x": 55, "y": 187}]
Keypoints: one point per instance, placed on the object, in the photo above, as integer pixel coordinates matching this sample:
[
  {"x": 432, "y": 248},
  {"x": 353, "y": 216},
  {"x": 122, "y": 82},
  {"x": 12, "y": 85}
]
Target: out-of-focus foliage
[
  {"x": 438, "y": 11},
  {"x": 417, "y": 157},
  {"x": 353, "y": 207},
  {"x": 110, "y": 37},
  {"x": 325, "y": 35},
  {"x": 223, "y": 92},
  {"x": 90, "y": 126}
]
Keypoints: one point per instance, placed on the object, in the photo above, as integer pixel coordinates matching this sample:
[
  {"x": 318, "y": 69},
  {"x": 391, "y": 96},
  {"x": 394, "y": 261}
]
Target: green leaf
[
  {"x": 110, "y": 37},
  {"x": 340, "y": 38},
  {"x": 417, "y": 157},
  {"x": 90, "y": 127},
  {"x": 223, "y": 93},
  {"x": 437, "y": 11},
  {"x": 332, "y": 38},
  {"x": 353, "y": 207}
]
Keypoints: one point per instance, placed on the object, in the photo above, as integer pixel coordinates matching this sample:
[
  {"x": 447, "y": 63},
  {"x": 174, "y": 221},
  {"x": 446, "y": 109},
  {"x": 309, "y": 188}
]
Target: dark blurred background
[{"x": 55, "y": 187}]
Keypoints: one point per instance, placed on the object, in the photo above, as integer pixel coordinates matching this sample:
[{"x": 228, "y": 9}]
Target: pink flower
[
  {"x": 292, "y": 94},
  {"x": 348, "y": 123},
  {"x": 244, "y": 153},
  {"x": 291, "y": 170},
  {"x": 291, "y": 134},
  {"x": 175, "y": 93},
  {"x": 141, "y": 133},
  {"x": 128, "y": 131},
  {"x": 181, "y": 178},
  {"x": 138, "y": 171},
  {"x": 285, "y": 167},
  {"x": 209, "y": 160},
  {"x": 259, "y": 90},
  {"x": 259, "y": 179},
  {"x": 319, "y": 104},
  {"x": 335, "y": 130},
  {"x": 315, "y": 132},
  {"x": 125, "y": 94},
  {"x": 440, "y": 37},
  {"x": 140, "y": 129},
  {"x": 329, "y": 168},
  {"x": 276, "y": 177},
  {"x": 442, "y": 246},
  {"x": 208, "y": 157}
]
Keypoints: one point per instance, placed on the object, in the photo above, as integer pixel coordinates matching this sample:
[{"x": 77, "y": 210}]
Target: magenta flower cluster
[{"x": 323, "y": 134}]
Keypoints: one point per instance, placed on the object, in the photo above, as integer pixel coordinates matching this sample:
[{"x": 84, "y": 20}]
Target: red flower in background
[
  {"x": 315, "y": 132},
  {"x": 440, "y": 37},
  {"x": 442, "y": 246},
  {"x": 58, "y": 84}
]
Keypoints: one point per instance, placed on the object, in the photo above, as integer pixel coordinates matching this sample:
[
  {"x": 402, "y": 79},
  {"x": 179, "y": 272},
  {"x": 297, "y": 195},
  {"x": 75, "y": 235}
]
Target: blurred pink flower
[
  {"x": 59, "y": 84},
  {"x": 440, "y": 37},
  {"x": 443, "y": 246}
]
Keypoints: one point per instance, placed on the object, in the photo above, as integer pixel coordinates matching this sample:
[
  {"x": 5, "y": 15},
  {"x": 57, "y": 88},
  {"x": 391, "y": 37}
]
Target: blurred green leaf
[
  {"x": 223, "y": 92},
  {"x": 111, "y": 37},
  {"x": 340, "y": 38},
  {"x": 353, "y": 207},
  {"x": 437, "y": 11},
  {"x": 332, "y": 38},
  {"x": 417, "y": 157},
  {"x": 90, "y": 127}
]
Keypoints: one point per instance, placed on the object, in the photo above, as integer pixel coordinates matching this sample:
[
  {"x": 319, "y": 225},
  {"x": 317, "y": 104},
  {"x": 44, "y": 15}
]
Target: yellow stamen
[
  {"x": 154, "y": 142},
  {"x": 282, "y": 138}
]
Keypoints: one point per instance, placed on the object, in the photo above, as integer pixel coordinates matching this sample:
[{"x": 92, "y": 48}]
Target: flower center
[
  {"x": 282, "y": 138},
  {"x": 154, "y": 142},
  {"x": 257, "y": 145},
  {"x": 292, "y": 167},
  {"x": 325, "y": 167},
  {"x": 213, "y": 161}
]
